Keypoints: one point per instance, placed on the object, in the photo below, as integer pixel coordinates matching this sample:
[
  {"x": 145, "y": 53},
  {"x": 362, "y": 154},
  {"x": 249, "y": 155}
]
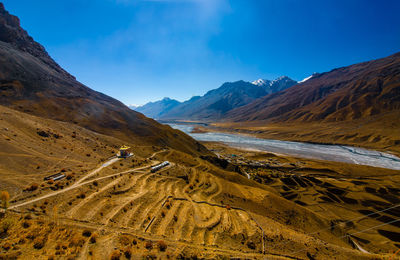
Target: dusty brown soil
[
  {"x": 347, "y": 195},
  {"x": 196, "y": 208}
]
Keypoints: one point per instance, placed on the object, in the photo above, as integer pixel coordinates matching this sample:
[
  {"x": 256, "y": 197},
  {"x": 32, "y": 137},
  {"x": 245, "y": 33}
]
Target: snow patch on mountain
[
  {"x": 309, "y": 77},
  {"x": 261, "y": 82}
]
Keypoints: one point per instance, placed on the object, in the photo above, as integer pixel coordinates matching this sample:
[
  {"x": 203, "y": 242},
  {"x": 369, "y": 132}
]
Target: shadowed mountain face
[
  {"x": 159, "y": 108},
  {"x": 217, "y": 102},
  {"x": 355, "y": 92},
  {"x": 32, "y": 82}
]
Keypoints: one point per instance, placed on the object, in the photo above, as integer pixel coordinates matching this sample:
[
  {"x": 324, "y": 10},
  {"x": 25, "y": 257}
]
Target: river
[{"x": 338, "y": 153}]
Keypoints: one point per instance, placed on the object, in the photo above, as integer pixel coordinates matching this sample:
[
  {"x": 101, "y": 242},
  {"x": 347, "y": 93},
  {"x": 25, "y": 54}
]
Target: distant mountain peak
[
  {"x": 157, "y": 108},
  {"x": 261, "y": 82},
  {"x": 269, "y": 83},
  {"x": 281, "y": 78}
]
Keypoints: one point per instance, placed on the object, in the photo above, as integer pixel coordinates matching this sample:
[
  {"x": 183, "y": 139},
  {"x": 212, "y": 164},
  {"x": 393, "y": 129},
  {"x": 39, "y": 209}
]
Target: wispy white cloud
[{"x": 205, "y": 8}]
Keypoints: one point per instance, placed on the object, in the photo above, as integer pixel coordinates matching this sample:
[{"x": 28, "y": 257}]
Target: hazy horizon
[{"x": 141, "y": 51}]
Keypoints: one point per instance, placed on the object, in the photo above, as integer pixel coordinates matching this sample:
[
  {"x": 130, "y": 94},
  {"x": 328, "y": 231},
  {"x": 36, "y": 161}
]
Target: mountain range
[
  {"x": 344, "y": 94},
  {"x": 216, "y": 103},
  {"x": 158, "y": 108},
  {"x": 357, "y": 105}
]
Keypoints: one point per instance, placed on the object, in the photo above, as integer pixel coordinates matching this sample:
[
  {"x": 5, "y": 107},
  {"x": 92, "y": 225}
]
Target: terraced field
[
  {"x": 355, "y": 203},
  {"x": 176, "y": 203},
  {"x": 197, "y": 208}
]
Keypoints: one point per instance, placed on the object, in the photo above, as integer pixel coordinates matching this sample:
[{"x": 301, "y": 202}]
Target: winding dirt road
[{"x": 80, "y": 182}]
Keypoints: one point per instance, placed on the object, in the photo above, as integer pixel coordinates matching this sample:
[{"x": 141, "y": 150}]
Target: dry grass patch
[{"x": 77, "y": 241}]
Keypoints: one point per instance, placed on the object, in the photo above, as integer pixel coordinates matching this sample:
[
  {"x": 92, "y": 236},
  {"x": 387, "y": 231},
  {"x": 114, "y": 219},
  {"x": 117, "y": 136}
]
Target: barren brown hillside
[
  {"x": 30, "y": 81},
  {"x": 109, "y": 206},
  {"x": 357, "y": 105},
  {"x": 347, "y": 93}
]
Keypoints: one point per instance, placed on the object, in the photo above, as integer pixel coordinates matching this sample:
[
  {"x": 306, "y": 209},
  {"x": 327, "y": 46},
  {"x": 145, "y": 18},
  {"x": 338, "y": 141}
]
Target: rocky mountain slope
[
  {"x": 158, "y": 108},
  {"x": 217, "y": 102},
  {"x": 344, "y": 94},
  {"x": 32, "y": 82}
]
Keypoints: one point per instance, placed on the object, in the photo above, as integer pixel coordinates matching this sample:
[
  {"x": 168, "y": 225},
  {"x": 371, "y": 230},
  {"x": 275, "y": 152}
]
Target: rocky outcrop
[{"x": 12, "y": 33}]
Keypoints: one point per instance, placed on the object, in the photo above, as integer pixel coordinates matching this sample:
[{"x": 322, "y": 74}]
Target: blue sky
[{"x": 143, "y": 50}]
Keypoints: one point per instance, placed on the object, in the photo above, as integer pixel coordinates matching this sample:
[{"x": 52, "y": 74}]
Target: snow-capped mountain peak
[
  {"x": 266, "y": 82},
  {"x": 260, "y": 82},
  {"x": 309, "y": 77}
]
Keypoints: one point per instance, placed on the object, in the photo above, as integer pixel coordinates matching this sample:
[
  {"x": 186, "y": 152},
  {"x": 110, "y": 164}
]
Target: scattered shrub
[
  {"x": 86, "y": 233},
  {"x": 25, "y": 224},
  {"x": 175, "y": 218},
  {"x": 32, "y": 187},
  {"x": 251, "y": 245},
  {"x": 162, "y": 246},
  {"x": 93, "y": 238},
  {"x": 148, "y": 245},
  {"x": 5, "y": 225},
  {"x": 39, "y": 243},
  {"x": 134, "y": 241},
  {"x": 6, "y": 246},
  {"x": 95, "y": 183},
  {"x": 162, "y": 214},
  {"x": 115, "y": 255},
  {"x": 31, "y": 235},
  {"x": 81, "y": 195},
  {"x": 128, "y": 253},
  {"x": 125, "y": 240},
  {"x": 43, "y": 133}
]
